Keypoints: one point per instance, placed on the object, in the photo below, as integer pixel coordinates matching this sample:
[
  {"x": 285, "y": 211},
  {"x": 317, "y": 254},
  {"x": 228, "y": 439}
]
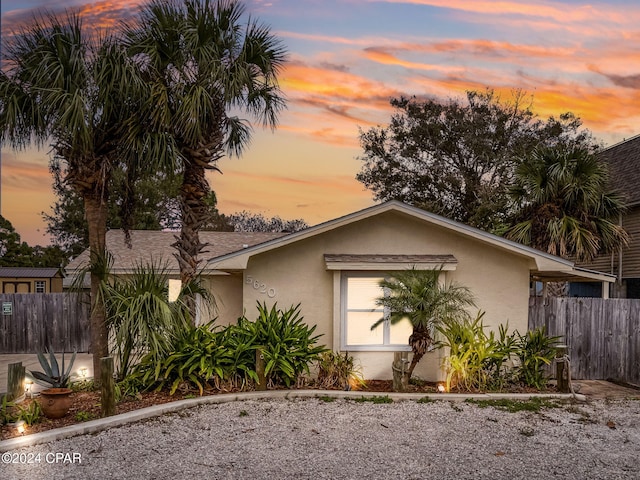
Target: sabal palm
[
  {"x": 420, "y": 296},
  {"x": 65, "y": 86},
  {"x": 201, "y": 63},
  {"x": 566, "y": 206}
]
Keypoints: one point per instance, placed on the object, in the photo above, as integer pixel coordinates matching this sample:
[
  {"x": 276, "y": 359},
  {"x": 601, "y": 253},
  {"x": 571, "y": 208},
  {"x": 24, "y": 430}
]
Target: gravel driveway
[{"x": 313, "y": 439}]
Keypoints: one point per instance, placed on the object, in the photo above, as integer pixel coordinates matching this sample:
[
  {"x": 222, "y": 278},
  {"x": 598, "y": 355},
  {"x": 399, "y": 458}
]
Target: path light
[
  {"x": 83, "y": 372},
  {"x": 441, "y": 388},
  {"x": 28, "y": 387},
  {"x": 20, "y": 426}
]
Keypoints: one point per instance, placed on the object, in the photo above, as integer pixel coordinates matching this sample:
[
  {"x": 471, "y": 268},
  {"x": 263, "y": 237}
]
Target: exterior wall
[
  {"x": 631, "y": 254},
  {"x": 227, "y": 292},
  {"x": 297, "y": 274},
  {"x": 610, "y": 263},
  {"x": 28, "y": 285}
]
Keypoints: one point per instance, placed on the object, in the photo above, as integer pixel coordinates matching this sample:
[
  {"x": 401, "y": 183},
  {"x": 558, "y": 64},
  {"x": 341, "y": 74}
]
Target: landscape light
[
  {"x": 83, "y": 372},
  {"x": 441, "y": 388},
  {"x": 20, "y": 426},
  {"x": 28, "y": 385}
]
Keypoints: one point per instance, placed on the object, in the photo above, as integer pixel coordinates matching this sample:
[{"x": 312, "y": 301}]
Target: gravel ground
[{"x": 312, "y": 439}]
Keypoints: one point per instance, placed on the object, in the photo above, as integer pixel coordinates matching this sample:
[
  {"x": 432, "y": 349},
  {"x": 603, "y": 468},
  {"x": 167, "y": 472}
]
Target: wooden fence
[
  {"x": 603, "y": 335},
  {"x": 30, "y": 322}
]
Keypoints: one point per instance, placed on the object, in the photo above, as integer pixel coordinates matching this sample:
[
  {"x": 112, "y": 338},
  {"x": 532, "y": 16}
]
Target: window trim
[
  {"x": 43, "y": 283},
  {"x": 385, "y": 347}
]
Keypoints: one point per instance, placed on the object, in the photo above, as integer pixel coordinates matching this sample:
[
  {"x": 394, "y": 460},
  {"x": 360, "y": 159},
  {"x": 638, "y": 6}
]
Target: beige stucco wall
[
  {"x": 297, "y": 274},
  {"x": 227, "y": 292}
]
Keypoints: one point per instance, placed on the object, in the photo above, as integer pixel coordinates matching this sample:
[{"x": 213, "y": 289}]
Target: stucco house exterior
[
  {"x": 333, "y": 270},
  {"x": 30, "y": 280}
]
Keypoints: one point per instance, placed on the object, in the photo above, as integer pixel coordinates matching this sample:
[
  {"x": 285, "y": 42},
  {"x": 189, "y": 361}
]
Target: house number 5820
[{"x": 261, "y": 287}]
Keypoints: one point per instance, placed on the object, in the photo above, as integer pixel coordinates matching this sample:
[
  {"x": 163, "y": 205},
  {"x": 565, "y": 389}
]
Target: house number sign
[{"x": 261, "y": 287}]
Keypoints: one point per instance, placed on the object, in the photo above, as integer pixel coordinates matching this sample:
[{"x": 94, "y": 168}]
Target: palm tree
[
  {"x": 419, "y": 296},
  {"x": 200, "y": 63},
  {"x": 565, "y": 205},
  {"x": 66, "y": 87}
]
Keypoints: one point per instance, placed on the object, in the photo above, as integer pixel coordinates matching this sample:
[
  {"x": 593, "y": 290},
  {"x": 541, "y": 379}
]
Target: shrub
[
  {"x": 288, "y": 345},
  {"x": 535, "y": 350},
  {"x": 203, "y": 356},
  {"x": 478, "y": 361},
  {"x": 472, "y": 354},
  {"x": 196, "y": 357},
  {"x": 338, "y": 371}
]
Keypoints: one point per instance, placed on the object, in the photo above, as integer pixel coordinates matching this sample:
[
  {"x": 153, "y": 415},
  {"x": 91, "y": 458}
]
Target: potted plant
[{"x": 56, "y": 399}]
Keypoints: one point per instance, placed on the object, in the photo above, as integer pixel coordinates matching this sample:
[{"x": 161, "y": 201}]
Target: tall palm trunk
[
  {"x": 194, "y": 214},
  {"x": 95, "y": 207}
]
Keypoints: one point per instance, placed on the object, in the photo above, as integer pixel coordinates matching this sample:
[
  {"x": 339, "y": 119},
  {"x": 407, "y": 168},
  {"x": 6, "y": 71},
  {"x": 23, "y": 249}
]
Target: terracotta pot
[{"x": 55, "y": 402}]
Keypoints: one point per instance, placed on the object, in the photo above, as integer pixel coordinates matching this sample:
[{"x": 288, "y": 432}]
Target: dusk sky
[{"x": 347, "y": 58}]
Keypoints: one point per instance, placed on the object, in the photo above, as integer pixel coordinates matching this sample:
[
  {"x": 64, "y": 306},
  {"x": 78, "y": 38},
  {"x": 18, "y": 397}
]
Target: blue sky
[{"x": 349, "y": 57}]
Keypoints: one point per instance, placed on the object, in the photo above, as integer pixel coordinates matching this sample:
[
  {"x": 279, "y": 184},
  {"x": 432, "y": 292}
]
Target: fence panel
[
  {"x": 30, "y": 322},
  {"x": 603, "y": 335}
]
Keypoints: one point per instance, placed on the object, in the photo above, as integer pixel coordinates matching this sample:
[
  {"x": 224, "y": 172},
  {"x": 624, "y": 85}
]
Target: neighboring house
[
  {"x": 623, "y": 160},
  {"x": 30, "y": 280},
  {"x": 333, "y": 270}
]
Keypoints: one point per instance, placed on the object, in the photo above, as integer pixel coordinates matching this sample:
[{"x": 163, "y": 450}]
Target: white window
[
  {"x": 359, "y": 312},
  {"x": 41, "y": 286}
]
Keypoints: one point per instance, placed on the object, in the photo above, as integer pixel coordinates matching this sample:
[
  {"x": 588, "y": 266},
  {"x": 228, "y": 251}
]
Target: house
[
  {"x": 30, "y": 280},
  {"x": 333, "y": 270},
  {"x": 623, "y": 160}
]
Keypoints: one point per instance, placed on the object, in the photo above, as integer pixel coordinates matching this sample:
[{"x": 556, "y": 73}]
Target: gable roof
[
  {"x": 149, "y": 246},
  {"x": 546, "y": 265},
  {"x": 29, "y": 272},
  {"x": 623, "y": 160}
]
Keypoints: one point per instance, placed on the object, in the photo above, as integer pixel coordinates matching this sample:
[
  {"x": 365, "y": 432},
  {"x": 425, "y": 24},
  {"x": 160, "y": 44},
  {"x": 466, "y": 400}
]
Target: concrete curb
[{"x": 94, "y": 426}]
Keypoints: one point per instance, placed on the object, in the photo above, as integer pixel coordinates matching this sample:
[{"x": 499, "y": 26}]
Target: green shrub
[
  {"x": 535, "y": 350},
  {"x": 473, "y": 356},
  {"x": 196, "y": 357},
  {"x": 478, "y": 361},
  {"x": 203, "y": 356},
  {"x": 288, "y": 345},
  {"x": 30, "y": 414},
  {"x": 338, "y": 371}
]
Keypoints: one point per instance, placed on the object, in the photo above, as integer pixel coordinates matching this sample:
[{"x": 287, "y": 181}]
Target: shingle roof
[
  {"x": 28, "y": 272},
  {"x": 153, "y": 246},
  {"x": 624, "y": 167}
]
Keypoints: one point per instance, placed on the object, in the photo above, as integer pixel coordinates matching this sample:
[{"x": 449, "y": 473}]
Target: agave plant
[{"x": 53, "y": 376}]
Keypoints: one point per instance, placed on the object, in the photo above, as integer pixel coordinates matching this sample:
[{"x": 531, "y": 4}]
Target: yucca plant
[
  {"x": 53, "y": 376},
  {"x": 140, "y": 316}
]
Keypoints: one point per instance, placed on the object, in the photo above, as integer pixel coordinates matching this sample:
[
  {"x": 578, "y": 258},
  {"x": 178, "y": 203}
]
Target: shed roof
[{"x": 29, "y": 272}]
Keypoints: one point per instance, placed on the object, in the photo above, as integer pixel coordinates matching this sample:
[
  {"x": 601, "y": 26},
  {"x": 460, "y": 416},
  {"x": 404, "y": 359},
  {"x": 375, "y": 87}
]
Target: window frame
[
  {"x": 344, "y": 300},
  {"x": 41, "y": 283}
]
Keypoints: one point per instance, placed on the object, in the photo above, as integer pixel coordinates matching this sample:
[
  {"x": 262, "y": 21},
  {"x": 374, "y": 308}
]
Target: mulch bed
[{"x": 86, "y": 404}]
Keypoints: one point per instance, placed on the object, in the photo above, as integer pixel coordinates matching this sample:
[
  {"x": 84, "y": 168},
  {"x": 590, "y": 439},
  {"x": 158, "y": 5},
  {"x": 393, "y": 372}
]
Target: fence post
[
  {"x": 15, "y": 381},
  {"x": 260, "y": 366},
  {"x": 108, "y": 388},
  {"x": 562, "y": 369}
]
